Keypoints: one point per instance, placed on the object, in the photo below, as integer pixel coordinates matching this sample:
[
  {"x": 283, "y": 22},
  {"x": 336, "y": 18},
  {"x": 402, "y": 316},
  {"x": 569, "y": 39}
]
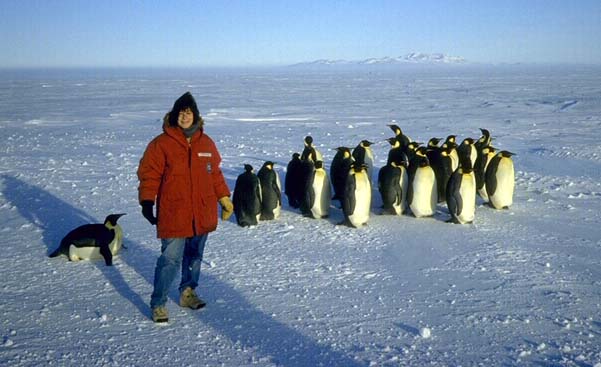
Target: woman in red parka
[{"x": 180, "y": 171}]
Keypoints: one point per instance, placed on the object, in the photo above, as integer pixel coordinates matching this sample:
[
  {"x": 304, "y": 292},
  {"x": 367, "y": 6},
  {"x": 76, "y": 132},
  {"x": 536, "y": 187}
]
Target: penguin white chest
[
  {"x": 505, "y": 176},
  {"x": 321, "y": 188},
  {"x": 425, "y": 195},
  {"x": 468, "y": 196},
  {"x": 360, "y": 215}
]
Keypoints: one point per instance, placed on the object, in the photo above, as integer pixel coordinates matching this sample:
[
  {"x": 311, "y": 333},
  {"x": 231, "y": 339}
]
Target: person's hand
[
  {"x": 148, "y": 212},
  {"x": 227, "y": 208}
]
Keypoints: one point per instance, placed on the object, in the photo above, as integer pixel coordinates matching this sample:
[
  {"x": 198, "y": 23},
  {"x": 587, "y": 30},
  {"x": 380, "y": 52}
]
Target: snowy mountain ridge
[{"x": 410, "y": 58}]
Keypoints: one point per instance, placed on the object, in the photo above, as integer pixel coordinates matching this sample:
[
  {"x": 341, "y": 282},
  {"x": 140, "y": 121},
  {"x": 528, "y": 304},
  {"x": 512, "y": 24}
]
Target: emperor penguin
[
  {"x": 93, "y": 241},
  {"x": 357, "y": 196},
  {"x": 467, "y": 150},
  {"x": 341, "y": 164},
  {"x": 461, "y": 194},
  {"x": 447, "y": 165},
  {"x": 364, "y": 155},
  {"x": 422, "y": 194},
  {"x": 247, "y": 198},
  {"x": 485, "y": 155},
  {"x": 434, "y": 154},
  {"x": 293, "y": 181},
  {"x": 403, "y": 139},
  {"x": 310, "y": 152},
  {"x": 393, "y": 182},
  {"x": 500, "y": 180},
  {"x": 271, "y": 192},
  {"x": 317, "y": 193}
]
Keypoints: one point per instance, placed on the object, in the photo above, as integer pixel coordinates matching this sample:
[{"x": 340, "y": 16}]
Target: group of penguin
[{"x": 415, "y": 177}]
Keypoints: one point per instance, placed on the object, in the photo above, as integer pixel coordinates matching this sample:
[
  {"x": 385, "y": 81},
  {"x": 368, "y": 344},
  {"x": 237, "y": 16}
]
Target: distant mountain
[{"x": 411, "y": 58}]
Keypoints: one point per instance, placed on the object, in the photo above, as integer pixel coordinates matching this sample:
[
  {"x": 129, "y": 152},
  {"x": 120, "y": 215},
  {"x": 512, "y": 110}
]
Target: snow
[{"x": 518, "y": 286}]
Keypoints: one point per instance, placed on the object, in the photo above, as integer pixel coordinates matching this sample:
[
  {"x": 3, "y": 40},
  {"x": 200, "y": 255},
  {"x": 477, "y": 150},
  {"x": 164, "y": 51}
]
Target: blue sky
[{"x": 55, "y": 33}]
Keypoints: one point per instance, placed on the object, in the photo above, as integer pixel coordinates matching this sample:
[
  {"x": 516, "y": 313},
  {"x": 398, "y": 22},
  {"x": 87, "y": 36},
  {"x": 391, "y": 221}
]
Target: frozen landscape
[{"x": 517, "y": 287}]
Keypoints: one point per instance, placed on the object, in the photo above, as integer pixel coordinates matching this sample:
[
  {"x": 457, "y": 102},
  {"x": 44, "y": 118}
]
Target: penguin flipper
[
  {"x": 348, "y": 204},
  {"x": 106, "y": 254},
  {"x": 490, "y": 176}
]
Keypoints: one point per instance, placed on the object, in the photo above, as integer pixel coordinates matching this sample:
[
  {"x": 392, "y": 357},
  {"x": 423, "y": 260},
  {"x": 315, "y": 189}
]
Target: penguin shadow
[{"x": 56, "y": 218}]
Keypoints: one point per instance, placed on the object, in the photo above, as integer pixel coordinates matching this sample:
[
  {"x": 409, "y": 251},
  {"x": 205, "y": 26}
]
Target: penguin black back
[
  {"x": 89, "y": 237},
  {"x": 293, "y": 186},
  {"x": 247, "y": 198}
]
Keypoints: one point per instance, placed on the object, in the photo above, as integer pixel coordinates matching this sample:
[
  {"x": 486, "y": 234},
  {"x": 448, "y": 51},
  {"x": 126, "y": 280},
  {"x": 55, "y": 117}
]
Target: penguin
[
  {"x": 364, "y": 155},
  {"x": 271, "y": 192},
  {"x": 310, "y": 152},
  {"x": 392, "y": 185},
  {"x": 317, "y": 193},
  {"x": 93, "y": 241},
  {"x": 293, "y": 183},
  {"x": 484, "y": 157},
  {"x": 357, "y": 196},
  {"x": 396, "y": 152},
  {"x": 434, "y": 152},
  {"x": 447, "y": 165},
  {"x": 467, "y": 150},
  {"x": 500, "y": 180},
  {"x": 422, "y": 193},
  {"x": 247, "y": 198},
  {"x": 403, "y": 139},
  {"x": 341, "y": 164},
  {"x": 461, "y": 194}
]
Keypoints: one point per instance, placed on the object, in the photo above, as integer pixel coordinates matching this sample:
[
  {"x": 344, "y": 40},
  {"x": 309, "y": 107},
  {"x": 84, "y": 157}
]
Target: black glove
[{"x": 148, "y": 212}]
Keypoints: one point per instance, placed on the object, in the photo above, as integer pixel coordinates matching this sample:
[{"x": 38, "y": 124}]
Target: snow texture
[{"x": 517, "y": 287}]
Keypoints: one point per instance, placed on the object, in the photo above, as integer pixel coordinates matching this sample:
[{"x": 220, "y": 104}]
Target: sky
[{"x": 128, "y": 33}]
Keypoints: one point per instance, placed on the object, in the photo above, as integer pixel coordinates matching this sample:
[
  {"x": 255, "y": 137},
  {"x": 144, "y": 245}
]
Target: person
[{"x": 180, "y": 171}]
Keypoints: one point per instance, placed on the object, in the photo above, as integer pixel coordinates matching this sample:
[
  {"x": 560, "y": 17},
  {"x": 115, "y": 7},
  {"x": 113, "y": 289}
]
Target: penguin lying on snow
[{"x": 93, "y": 241}]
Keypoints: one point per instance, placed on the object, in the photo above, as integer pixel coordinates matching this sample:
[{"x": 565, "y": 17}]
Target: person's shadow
[{"x": 230, "y": 313}]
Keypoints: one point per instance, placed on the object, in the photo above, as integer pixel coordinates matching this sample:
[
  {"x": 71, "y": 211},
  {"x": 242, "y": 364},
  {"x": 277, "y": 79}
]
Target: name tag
[{"x": 206, "y": 155}]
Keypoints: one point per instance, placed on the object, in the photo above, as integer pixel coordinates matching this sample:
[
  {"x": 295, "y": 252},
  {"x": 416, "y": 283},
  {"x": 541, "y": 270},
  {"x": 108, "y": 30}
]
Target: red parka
[{"x": 185, "y": 180}]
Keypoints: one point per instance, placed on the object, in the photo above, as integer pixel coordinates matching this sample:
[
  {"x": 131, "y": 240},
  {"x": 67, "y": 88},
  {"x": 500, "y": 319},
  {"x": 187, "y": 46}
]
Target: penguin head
[
  {"x": 366, "y": 143},
  {"x": 467, "y": 141},
  {"x": 308, "y": 140},
  {"x": 268, "y": 165},
  {"x": 182, "y": 103},
  {"x": 505, "y": 154},
  {"x": 397, "y": 130},
  {"x": 296, "y": 156},
  {"x": 485, "y": 138},
  {"x": 421, "y": 151},
  {"x": 412, "y": 147},
  {"x": 394, "y": 142},
  {"x": 451, "y": 139},
  {"x": 248, "y": 168},
  {"x": 488, "y": 150},
  {"x": 433, "y": 143},
  {"x": 357, "y": 167},
  {"x": 345, "y": 151},
  {"x": 112, "y": 219}
]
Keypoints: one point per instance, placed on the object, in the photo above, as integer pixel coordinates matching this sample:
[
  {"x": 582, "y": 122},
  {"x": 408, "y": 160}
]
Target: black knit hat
[{"x": 183, "y": 102}]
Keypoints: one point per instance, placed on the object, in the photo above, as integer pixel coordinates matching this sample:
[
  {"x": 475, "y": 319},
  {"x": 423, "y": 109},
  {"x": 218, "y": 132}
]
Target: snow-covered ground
[{"x": 518, "y": 287}]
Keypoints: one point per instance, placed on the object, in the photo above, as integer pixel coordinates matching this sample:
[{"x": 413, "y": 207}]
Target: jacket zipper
[{"x": 191, "y": 185}]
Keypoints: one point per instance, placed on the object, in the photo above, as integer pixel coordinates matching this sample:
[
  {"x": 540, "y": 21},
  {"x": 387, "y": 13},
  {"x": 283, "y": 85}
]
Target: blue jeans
[{"x": 175, "y": 251}]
